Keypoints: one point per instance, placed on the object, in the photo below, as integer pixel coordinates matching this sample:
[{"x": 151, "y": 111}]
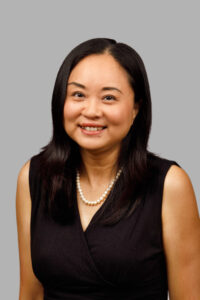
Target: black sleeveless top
[{"x": 123, "y": 261}]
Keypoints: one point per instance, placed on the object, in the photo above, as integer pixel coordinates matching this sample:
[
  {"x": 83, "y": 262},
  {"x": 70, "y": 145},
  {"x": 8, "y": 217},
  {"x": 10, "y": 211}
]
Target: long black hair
[{"x": 60, "y": 158}]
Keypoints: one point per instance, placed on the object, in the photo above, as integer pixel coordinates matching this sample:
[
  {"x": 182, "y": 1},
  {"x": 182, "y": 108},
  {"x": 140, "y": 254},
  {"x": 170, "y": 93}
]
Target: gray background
[{"x": 35, "y": 38}]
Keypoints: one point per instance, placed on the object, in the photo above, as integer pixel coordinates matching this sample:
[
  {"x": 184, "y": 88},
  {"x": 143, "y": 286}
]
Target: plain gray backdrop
[{"x": 35, "y": 38}]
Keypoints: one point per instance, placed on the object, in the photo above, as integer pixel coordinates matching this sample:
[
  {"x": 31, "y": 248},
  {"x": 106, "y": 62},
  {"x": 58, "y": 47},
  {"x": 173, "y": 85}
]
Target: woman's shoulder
[
  {"x": 158, "y": 162},
  {"x": 23, "y": 192},
  {"x": 24, "y": 173},
  {"x": 36, "y": 163},
  {"x": 30, "y": 166},
  {"x": 158, "y": 167},
  {"x": 35, "y": 158}
]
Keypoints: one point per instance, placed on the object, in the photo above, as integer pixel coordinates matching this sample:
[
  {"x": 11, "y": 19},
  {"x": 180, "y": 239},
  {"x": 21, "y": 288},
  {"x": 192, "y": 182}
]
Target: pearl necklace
[{"x": 102, "y": 196}]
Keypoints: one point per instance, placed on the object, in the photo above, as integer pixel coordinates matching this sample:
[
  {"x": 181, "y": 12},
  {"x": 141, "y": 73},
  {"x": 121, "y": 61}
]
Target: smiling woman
[
  {"x": 91, "y": 119},
  {"x": 99, "y": 216}
]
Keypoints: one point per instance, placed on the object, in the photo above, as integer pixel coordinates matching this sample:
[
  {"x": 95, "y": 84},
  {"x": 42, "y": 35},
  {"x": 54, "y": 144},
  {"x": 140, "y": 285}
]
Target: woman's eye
[
  {"x": 109, "y": 97},
  {"x": 78, "y": 94}
]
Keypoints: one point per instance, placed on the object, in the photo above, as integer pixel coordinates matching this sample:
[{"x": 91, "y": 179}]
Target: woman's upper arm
[
  {"x": 181, "y": 235},
  {"x": 30, "y": 286}
]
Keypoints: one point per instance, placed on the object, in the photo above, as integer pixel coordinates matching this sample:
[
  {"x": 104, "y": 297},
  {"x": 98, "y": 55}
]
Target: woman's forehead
[{"x": 101, "y": 69}]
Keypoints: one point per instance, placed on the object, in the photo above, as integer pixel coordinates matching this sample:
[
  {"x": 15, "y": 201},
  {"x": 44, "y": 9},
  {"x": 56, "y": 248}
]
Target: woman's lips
[
  {"x": 87, "y": 132},
  {"x": 91, "y": 125}
]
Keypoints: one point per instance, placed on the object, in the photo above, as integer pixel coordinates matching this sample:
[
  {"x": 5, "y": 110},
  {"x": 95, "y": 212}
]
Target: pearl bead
[{"x": 102, "y": 196}]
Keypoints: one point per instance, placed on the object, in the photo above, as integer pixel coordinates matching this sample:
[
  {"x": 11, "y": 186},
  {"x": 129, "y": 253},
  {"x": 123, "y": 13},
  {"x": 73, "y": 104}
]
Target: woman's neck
[{"x": 98, "y": 168}]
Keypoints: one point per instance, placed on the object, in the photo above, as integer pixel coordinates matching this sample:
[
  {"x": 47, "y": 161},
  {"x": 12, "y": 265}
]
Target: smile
[{"x": 90, "y": 130}]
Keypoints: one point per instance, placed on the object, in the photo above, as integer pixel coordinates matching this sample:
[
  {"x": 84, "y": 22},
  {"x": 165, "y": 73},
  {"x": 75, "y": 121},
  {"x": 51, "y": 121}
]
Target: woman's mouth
[{"x": 91, "y": 130}]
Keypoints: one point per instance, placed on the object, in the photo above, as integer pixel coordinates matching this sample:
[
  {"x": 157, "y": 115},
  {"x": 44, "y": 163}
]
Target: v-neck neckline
[
  {"x": 89, "y": 226},
  {"x": 93, "y": 217}
]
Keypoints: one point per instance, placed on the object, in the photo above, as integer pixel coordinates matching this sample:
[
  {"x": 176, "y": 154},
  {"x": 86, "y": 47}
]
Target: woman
[{"x": 98, "y": 215}]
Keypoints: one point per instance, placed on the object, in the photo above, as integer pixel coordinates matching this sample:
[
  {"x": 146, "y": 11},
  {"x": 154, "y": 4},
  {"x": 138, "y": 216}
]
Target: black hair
[{"x": 60, "y": 158}]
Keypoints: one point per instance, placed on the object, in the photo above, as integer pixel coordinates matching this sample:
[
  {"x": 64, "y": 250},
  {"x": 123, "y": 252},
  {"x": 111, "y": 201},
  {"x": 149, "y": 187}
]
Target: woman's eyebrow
[
  {"x": 109, "y": 88},
  {"x": 77, "y": 84},
  {"x": 106, "y": 88}
]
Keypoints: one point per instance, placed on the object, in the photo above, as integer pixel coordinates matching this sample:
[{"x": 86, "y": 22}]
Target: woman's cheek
[
  {"x": 117, "y": 117},
  {"x": 71, "y": 110}
]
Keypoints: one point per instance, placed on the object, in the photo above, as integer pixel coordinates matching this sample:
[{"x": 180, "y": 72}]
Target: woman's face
[{"x": 98, "y": 94}]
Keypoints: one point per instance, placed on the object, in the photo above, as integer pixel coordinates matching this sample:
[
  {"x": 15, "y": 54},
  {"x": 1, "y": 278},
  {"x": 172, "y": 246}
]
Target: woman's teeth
[{"x": 92, "y": 128}]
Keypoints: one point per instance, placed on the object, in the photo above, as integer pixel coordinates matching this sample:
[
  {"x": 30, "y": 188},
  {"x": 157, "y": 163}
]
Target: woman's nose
[{"x": 92, "y": 109}]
